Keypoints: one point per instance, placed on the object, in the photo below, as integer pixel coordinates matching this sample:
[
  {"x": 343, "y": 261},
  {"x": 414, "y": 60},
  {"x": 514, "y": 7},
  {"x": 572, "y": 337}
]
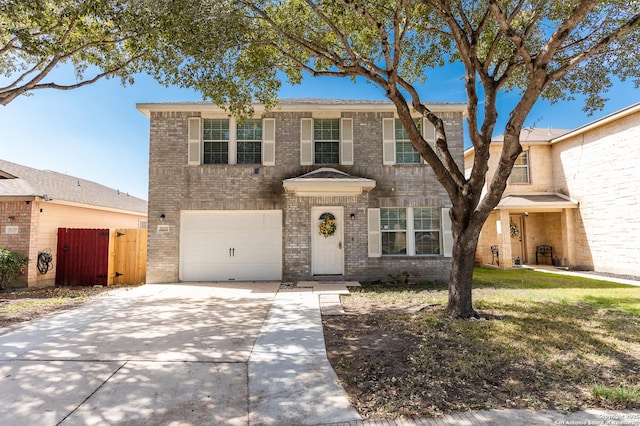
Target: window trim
[
  {"x": 389, "y": 140},
  {"x": 216, "y": 141},
  {"x": 410, "y": 232},
  {"x": 438, "y": 230},
  {"x": 345, "y": 141},
  {"x": 526, "y": 166},
  {"x": 232, "y": 142},
  {"x": 260, "y": 141},
  {"x": 314, "y": 141},
  {"x": 397, "y": 122},
  {"x": 404, "y": 231}
]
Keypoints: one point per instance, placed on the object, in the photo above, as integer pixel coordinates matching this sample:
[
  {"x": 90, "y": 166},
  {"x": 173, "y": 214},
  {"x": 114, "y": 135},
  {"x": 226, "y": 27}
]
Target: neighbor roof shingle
[{"x": 58, "y": 186}]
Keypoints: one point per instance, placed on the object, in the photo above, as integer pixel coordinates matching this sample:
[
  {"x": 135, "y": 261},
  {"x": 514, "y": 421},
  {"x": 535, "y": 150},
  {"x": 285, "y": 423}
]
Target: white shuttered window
[
  {"x": 231, "y": 141},
  {"x": 410, "y": 231}
]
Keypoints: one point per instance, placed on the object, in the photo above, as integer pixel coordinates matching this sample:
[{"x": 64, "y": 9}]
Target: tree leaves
[{"x": 38, "y": 35}]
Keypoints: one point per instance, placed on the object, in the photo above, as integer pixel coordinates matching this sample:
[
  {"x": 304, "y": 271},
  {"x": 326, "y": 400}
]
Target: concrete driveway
[{"x": 179, "y": 354}]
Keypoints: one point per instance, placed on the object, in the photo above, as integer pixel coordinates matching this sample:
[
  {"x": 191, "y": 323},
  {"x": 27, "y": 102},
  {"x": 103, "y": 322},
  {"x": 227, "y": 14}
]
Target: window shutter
[
  {"x": 429, "y": 132},
  {"x": 388, "y": 142},
  {"x": 269, "y": 141},
  {"x": 346, "y": 141},
  {"x": 194, "y": 141},
  {"x": 375, "y": 238},
  {"x": 447, "y": 233},
  {"x": 306, "y": 141}
]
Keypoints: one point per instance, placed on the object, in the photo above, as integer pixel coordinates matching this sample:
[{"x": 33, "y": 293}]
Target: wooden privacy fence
[
  {"x": 82, "y": 256},
  {"x": 87, "y": 257},
  {"x": 128, "y": 256}
]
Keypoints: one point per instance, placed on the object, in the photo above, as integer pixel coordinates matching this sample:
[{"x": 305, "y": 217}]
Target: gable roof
[
  {"x": 536, "y": 134},
  {"x": 631, "y": 109},
  {"x": 529, "y": 135},
  {"x": 21, "y": 181}
]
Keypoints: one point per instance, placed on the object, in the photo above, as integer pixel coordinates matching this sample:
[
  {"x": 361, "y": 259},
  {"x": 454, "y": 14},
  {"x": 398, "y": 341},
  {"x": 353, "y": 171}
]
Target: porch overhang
[
  {"x": 328, "y": 182},
  {"x": 551, "y": 202}
]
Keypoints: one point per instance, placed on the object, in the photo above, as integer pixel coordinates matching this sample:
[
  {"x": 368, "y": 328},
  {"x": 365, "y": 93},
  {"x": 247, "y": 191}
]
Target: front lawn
[{"x": 545, "y": 341}]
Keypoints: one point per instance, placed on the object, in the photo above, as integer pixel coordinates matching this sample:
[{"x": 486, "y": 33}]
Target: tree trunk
[{"x": 460, "y": 280}]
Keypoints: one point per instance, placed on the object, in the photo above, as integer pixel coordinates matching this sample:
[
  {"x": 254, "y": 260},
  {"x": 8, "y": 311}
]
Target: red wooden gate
[{"x": 83, "y": 257}]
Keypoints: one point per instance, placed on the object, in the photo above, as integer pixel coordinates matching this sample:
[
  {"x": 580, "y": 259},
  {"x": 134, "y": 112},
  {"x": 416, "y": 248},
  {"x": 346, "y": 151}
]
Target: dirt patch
[
  {"x": 414, "y": 361},
  {"x": 27, "y": 304}
]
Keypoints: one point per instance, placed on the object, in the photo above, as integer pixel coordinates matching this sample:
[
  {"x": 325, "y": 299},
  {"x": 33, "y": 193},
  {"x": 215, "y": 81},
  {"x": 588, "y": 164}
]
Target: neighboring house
[
  {"x": 35, "y": 203},
  {"x": 313, "y": 189},
  {"x": 572, "y": 198}
]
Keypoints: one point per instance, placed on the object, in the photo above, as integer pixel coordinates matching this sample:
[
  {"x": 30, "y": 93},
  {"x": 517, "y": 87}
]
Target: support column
[
  {"x": 505, "y": 240},
  {"x": 568, "y": 237}
]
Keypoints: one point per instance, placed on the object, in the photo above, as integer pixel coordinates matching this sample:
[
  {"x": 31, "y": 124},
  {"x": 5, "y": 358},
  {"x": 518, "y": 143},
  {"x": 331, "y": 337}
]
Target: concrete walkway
[
  {"x": 200, "y": 354},
  {"x": 589, "y": 275},
  {"x": 187, "y": 354},
  {"x": 290, "y": 379}
]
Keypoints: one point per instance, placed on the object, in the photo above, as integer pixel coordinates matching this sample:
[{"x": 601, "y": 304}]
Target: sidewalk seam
[{"x": 91, "y": 394}]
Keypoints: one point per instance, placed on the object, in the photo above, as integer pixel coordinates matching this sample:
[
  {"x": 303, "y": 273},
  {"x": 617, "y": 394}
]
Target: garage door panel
[
  {"x": 245, "y": 238},
  {"x": 249, "y": 221},
  {"x": 255, "y": 238}
]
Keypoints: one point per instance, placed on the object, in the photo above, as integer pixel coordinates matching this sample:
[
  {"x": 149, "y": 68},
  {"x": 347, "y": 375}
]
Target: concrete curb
[{"x": 511, "y": 418}]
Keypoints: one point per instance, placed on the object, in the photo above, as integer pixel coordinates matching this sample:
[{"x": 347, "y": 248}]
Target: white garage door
[{"x": 231, "y": 245}]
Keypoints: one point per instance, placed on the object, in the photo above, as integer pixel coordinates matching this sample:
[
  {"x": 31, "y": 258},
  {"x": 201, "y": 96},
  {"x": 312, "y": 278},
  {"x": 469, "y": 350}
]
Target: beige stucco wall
[
  {"x": 540, "y": 227},
  {"x": 601, "y": 170},
  {"x": 599, "y": 167},
  {"x": 540, "y": 168},
  {"x": 50, "y": 216}
]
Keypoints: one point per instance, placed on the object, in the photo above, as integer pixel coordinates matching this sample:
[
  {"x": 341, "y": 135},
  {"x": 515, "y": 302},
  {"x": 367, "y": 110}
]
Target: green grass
[
  {"x": 617, "y": 395},
  {"x": 35, "y": 304},
  {"x": 543, "y": 342},
  {"x": 529, "y": 279}
]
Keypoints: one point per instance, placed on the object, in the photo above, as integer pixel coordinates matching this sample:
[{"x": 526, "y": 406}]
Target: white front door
[{"x": 327, "y": 225}]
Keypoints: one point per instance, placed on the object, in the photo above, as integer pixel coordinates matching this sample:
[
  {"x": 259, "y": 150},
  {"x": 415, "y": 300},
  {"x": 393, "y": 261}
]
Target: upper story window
[
  {"x": 520, "y": 172},
  {"x": 405, "y": 152},
  {"x": 396, "y": 146},
  {"x": 249, "y": 142},
  {"x": 231, "y": 141},
  {"x": 326, "y": 139},
  {"x": 216, "y": 141}
]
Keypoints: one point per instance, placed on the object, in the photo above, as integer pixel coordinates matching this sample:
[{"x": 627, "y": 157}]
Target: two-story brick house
[
  {"x": 573, "y": 192},
  {"x": 313, "y": 189}
]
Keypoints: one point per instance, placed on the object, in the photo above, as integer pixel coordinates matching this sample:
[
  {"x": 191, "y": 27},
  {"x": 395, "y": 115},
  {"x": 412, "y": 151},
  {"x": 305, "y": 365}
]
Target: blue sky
[{"x": 96, "y": 133}]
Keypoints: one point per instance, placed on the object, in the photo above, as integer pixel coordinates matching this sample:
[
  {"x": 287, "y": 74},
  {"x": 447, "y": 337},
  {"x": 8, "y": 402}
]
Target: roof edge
[
  {"x": 96, "y": 207},
  {"x": 306, "y": 105},
  {"x": 617, "y": 115}
]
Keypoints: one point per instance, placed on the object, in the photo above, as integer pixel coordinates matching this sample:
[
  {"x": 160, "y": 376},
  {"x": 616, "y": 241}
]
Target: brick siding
[{"x": 175, "y": 186}]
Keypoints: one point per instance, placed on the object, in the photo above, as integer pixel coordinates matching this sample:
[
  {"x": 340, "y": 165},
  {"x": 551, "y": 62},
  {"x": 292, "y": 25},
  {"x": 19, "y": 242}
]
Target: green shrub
[{"x": 10, "y": 264}]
